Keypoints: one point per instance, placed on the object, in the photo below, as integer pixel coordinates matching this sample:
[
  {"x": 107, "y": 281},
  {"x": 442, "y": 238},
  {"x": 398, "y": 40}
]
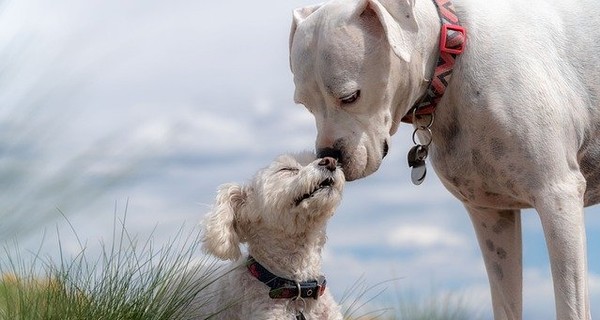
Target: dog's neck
[
  {"x": 296, "y": 257},
  {"x": 423, "y": 59},
  {"x": 427, "y": 45}
]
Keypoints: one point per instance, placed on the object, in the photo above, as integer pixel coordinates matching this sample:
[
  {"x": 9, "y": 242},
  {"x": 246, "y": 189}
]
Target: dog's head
[
  {"x": 356, "y": 69},
  {"x": 294, "y": 194}
]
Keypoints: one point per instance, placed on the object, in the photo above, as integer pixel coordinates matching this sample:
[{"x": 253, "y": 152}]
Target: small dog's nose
[{"x": 329, "y": 163}]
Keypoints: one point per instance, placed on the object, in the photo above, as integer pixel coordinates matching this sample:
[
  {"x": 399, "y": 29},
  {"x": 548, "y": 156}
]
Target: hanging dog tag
[
  {"x": 416, "y": 161},
  {"x": 417, "y": 155},
  {"x": 299, "y": 304},
  {"x": 417, "y": 174}
]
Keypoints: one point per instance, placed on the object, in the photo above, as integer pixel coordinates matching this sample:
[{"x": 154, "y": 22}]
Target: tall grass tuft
[
  {"x": 435, "y": 306},
  {"x": 359, "y": 303},
  {"x": 131, "y": 279}
]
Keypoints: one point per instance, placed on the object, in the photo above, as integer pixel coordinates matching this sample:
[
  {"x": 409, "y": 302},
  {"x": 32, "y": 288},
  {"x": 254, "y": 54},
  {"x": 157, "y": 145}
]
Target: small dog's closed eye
[{"x": 281, "y": 216}]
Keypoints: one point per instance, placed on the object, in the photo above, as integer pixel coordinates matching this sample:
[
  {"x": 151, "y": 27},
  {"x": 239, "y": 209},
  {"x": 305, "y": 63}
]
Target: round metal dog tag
[{"x": 418, "y": 173}]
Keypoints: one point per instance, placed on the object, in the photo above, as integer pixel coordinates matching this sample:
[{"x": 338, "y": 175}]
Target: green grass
[
  {"x": 135, "y": 279},
  {"x": 436, "y": 306},
  {"x": 406, "y": 304},
  {"x": 131, "y": 279}
]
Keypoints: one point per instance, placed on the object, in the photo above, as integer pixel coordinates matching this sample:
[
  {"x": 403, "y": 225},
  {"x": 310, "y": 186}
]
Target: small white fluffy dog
[{"x": 281, "y": 215}]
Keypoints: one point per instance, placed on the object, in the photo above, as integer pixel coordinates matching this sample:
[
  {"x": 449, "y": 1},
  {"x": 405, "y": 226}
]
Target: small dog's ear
[{"x": 220, "y": 236}]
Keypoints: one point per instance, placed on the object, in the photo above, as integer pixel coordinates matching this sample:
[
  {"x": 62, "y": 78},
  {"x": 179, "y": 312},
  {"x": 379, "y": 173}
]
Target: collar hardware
[
  {"x": 282, "y": 288},
  {"x": 452, "y": 43},
  {"x": 456, "y": 45},
  {"x": 453, "y": 38}
]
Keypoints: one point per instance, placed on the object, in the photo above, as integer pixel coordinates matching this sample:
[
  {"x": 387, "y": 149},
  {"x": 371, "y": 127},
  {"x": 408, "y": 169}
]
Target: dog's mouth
[{"x": 327, "y": 183}]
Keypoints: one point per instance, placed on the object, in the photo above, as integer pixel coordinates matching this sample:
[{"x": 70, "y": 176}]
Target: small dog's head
[{"x": 294, "y": 194}]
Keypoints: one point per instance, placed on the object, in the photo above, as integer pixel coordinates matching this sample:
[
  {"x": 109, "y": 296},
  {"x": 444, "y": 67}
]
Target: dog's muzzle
[{"x": 337, "y": 154}]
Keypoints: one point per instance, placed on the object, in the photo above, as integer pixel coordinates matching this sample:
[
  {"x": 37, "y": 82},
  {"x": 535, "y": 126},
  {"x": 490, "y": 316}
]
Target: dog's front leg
[
  {"x": 499, "y": 236},
  {"x": 561, "y": 214}
]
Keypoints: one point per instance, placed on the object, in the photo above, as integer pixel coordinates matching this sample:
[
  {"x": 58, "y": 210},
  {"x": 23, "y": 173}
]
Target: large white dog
[{"x": 518, "y": 126}]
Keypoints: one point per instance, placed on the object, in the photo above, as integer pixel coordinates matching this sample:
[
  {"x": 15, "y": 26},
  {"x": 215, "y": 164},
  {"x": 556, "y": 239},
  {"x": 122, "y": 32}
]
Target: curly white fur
[{"x": 281, "y": 215}]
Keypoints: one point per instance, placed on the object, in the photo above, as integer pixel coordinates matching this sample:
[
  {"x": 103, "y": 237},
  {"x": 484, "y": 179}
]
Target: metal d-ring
[
  {"x": 299, "y": 296},
  {"x": 428, "y": 134},
  {"x": 432, "y": 115},
  {"x": 299, "y": 308},
  {"x": 426, "y": 128}
]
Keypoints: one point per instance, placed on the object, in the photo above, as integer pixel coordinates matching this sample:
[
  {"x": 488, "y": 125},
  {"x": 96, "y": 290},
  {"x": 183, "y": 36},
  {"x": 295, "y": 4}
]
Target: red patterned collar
[
  {"x": 453, "y": 39},
  {"x": 282, "y": 288}
]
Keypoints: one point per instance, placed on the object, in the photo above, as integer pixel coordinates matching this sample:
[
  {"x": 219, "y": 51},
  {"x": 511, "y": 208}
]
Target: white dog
[
  {"x": 518, "y": 126},
  {"x": 282, "y": 216}
]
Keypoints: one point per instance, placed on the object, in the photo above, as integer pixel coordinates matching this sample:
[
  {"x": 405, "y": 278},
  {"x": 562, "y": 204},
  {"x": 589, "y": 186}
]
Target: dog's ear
[
  {"x": 299, "y": 15},
  {"x": 398, "y": 22},
  {"x": 221, "y": 236}
]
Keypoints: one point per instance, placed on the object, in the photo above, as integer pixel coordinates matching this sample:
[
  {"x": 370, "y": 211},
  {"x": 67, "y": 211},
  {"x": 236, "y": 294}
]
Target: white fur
[
  {"x": 518, "y": 127},
  {"x": 285, "y": 237}
]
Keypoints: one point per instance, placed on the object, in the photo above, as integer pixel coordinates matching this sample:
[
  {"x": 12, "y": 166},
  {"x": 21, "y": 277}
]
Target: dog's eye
[
  {"x": 350, "y": 98},
  {"x": 290, "y": 170}
]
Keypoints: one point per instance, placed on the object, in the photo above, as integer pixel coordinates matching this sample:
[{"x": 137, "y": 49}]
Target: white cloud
[{"x": 416, "y": 237}]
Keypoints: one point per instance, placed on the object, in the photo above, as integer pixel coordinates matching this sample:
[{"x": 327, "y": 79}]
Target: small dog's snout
[{"x": 329, "y": 163}]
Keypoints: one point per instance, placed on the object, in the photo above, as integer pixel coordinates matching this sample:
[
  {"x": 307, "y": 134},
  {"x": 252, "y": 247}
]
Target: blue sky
[{"x": 159, "y": 102}]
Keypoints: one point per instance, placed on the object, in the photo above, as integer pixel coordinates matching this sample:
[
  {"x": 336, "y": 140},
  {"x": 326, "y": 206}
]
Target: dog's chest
[
  {"x": 481, "y": 170},
  {"x": 480, "y": 185},
  {"x": 501, "y": 171}
]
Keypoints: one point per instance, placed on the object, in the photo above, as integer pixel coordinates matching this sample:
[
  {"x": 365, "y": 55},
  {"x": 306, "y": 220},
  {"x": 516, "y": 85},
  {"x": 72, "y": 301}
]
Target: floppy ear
[
  {"x": 221, "y": 237},
  {"x": 299, "y": 15},
  {"x": 398, "y": 22}
]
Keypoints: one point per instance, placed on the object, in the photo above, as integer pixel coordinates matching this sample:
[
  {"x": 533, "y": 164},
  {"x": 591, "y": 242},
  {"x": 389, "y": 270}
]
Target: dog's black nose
[
  {"x": 329, "y": 163},
  {"x": 329, "y": 152},
  {"x": 386, "y": 149}
]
